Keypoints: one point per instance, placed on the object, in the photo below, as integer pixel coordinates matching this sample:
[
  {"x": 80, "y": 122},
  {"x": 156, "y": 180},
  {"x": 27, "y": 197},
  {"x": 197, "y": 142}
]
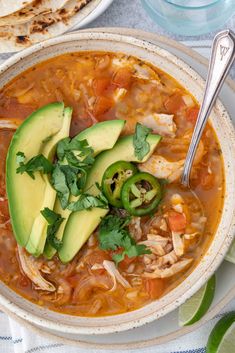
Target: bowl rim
[{"x": 111, "y": 327}]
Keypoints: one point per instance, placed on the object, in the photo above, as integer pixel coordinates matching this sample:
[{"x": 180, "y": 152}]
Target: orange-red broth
[{"x": 88, "y": 82}]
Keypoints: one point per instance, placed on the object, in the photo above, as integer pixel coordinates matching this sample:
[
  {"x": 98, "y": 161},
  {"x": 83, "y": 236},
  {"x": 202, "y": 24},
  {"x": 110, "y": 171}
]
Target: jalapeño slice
[
  {"x": 113, "y": 179},
  {"x": 141, "y": 194}
]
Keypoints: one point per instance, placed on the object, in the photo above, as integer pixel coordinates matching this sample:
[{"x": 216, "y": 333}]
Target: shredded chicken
[
  {"x": 64, "y": 292},
  {"x": 144, "y": 72},
  {"x": 178, "y": 243},
  {"x": 135, "y": 228},
  {"x": 170, "y": 258},
  {"x": 170, "y": 271},
  {"x": 162, "y": 168},
  {"x": 115, "y": 274},
  {"x": 188, "y": 100},
  {"x": 31, "y": 270},
  {"x": 97, "y": 267},
  {"x": 156, "y": 243},
  {"x": 162, "y": 124}
]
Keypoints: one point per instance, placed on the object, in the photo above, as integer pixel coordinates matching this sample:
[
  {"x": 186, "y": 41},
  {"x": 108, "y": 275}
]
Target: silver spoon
[{"x": 222, "y": 57}]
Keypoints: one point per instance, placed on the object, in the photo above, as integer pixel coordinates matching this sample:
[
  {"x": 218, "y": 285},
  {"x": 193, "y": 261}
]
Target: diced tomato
[
  {"x": 100, "y": 85},
  {"x": 154, "y": 287},
  {"x": 174, "y": 103},
  {"x": 122, "y": 78},
  {"x": 102, "y": 105},
  {"x": 192, "y": 114},
  {"x": 177, "y": 221},
  {"x": 206, "y": 179}
]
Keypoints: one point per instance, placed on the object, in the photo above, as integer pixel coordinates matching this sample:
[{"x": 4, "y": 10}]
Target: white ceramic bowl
[{"x": 224, "y": 235}]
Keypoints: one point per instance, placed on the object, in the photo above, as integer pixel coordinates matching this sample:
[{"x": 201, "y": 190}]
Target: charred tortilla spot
[{"x": 22, "y": 39}]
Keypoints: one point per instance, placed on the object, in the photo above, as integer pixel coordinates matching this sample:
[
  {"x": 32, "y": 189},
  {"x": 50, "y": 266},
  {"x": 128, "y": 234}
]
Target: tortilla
[
  {"x": 39, "y": 7},
  {"x": 8, "y": 7},
  {"x": 42, "y": 27}
]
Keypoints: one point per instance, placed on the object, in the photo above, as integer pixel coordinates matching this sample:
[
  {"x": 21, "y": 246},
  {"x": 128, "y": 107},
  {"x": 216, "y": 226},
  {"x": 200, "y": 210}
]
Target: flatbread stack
[{"x": 26, "y": 22}]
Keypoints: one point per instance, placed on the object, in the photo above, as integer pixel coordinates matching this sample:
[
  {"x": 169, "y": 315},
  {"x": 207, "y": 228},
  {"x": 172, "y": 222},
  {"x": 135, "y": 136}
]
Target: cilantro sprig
[
  {"x": 76, "y": 152},
  {"x": 113, "y": 234},
  {"x": 87, "y": 202},
  {"x": 141, "y": 146},
  {"x": 54, "y": 221},
  {"x": 38, "y": 163},
  {"x": 68, "y": 172}
]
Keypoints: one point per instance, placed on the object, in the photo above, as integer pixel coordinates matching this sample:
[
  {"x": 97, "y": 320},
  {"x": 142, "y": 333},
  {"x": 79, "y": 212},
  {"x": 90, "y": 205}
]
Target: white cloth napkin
[{"x": 17, "y": 339}]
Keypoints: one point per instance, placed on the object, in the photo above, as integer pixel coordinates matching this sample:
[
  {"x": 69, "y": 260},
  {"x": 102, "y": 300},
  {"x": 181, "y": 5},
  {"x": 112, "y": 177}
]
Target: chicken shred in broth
[{"x": 99, "y": 87}]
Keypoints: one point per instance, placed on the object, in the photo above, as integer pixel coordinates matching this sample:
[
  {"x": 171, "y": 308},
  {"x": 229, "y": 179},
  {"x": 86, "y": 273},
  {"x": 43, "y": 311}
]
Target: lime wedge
[
  {"x": 231, "y": 253},
  {"x": 222, "y": 337},
  {"x": 195, "y": 307}
]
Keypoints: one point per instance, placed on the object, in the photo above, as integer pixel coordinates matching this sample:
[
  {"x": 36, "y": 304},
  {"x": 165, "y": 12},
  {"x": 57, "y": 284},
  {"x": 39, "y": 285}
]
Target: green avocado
[
  {"x": 82, "y": 224},
  {"x": 100, "y": 137},
  {"x": 26, "y": 195},
  {"x": 38, "y": 235}
]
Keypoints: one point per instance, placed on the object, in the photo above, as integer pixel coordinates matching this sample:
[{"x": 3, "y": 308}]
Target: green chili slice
[
  {"x": 113, "y": 179},
  {"x": 141, "y": 194}
]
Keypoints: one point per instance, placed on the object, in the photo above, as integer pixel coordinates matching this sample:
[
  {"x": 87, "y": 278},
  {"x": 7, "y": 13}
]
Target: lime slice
[
  {"x": 222, "y": 337},
  {"x": 195, "y": 307},
  {"x": 231, "y": 253}
]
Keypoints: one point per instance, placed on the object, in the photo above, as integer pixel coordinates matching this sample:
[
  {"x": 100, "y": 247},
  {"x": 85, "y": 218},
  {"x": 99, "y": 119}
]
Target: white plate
[
  {"x": 166, "y": 328},
  {"x": 103, "y": 5}
]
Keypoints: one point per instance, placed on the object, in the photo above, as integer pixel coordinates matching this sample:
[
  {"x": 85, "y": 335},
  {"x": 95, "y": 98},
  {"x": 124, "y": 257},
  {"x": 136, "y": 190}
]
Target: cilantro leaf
[
  {"x": 38, "y": 163},
  {"x": 54, "y": 221},
  {"x": 141, "y": 146},
  {"x": 76, "y": 152},
  {"x": 113, "y": 235},
  {"x": 20, "y": 157},
  {"x": 87, "y": 202},
  {"x": 118, "y": 257},
  {"x": 75, "y": 158},
  {"x": 58, "y": 180},
  {"x": 68, "y": 180}
]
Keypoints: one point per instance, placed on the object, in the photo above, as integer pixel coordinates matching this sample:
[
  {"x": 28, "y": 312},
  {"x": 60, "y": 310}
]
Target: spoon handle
[{"x": 222, "y": 57}]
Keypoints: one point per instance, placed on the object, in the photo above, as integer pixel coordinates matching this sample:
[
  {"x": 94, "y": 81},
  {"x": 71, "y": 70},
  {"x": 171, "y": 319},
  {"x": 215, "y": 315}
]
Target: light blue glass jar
[{"x": 190, "y": 17}]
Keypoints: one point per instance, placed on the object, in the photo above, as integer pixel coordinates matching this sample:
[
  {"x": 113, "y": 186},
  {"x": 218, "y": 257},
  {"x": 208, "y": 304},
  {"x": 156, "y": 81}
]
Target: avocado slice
[
  {"x": 37, "y": 238},
  {"x": 26, "y": 195},
  {"x": 100, "y": 137},
  {"x": 80, "y": 225}
]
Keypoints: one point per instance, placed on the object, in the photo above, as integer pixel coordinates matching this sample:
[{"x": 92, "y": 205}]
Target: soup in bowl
[{"x": 94, "y": 219}]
